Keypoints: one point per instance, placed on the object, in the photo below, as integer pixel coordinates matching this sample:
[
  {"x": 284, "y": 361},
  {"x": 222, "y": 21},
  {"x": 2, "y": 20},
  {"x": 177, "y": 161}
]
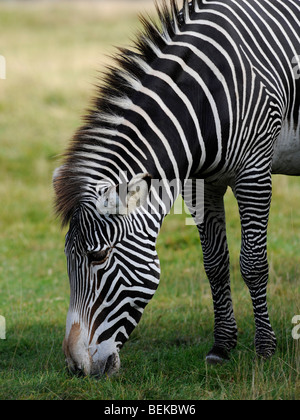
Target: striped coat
[{"x": 210, "y": 92}]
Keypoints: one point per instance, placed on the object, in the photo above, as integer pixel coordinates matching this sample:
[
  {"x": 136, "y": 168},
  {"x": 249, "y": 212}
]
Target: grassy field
[{"x": 53, "y": 53}]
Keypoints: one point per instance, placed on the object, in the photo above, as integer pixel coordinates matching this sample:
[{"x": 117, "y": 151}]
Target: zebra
[{"x": 210, "y": 91}]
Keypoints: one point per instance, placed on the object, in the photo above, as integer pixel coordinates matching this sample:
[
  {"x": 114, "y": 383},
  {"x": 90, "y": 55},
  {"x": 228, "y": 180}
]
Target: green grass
[{"x": 53, "y": 53}]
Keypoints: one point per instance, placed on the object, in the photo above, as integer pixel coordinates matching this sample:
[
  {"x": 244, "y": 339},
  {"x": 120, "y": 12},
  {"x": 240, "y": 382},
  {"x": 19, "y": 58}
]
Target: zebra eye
[{"x": 98, "y": 257}]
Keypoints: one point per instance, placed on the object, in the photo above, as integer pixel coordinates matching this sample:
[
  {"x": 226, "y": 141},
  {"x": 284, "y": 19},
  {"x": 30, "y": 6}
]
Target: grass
[{"x": 52, "y": 53}]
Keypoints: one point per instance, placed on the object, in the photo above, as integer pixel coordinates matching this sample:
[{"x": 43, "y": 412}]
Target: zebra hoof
[
  {"x": 263, "y": 353},
  {"x": 265, "y": 346},
  {"x": 217, "y": 356}
]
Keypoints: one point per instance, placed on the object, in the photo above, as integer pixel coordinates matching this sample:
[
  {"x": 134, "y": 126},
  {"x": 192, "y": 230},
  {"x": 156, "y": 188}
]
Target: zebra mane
[{"x": 115, "y": 85}]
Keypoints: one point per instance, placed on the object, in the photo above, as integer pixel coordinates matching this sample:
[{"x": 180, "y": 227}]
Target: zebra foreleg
[
  {"x": 216, "y": 262},
  {"x": 253, "y": 193}
]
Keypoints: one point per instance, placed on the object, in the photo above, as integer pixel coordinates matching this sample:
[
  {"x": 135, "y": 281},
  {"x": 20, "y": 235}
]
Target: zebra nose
[
  {"x": 97, "y": 369},
  {"x": 104, "y": 366},
  {"x": 86, "y": 361},
  {"x": 112, "y": 365}
]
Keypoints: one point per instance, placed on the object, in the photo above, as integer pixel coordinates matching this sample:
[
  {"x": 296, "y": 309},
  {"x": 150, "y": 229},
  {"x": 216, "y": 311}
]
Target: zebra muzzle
[{"x": 85, "y": 360}]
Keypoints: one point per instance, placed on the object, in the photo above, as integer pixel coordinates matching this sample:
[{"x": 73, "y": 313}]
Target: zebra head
[{"x": 113, "y": 270}]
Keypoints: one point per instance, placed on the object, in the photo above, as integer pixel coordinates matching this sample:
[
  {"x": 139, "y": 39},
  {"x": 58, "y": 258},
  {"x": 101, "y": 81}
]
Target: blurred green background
[{"x": 54, "y": 52}]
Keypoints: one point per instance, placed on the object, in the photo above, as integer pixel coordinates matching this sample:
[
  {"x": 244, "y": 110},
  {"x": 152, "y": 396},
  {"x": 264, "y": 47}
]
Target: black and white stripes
[{"x": 209, "y": 92}]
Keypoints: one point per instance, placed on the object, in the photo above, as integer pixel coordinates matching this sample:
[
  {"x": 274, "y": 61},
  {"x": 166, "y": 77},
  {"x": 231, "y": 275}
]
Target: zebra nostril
[
  {"x": 112, "y": 364},
  {"x": 106, "y": 368},
  {"x": 108, "y": 364},
  {"x": 103, "y": 368}
]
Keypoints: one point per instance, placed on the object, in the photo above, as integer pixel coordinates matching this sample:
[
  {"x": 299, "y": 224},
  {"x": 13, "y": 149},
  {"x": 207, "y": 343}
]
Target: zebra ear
[{"x": 124, "y": 198}]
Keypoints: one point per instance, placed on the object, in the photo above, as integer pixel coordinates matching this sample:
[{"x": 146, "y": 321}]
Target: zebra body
[{"x": 212, "y": 94}]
